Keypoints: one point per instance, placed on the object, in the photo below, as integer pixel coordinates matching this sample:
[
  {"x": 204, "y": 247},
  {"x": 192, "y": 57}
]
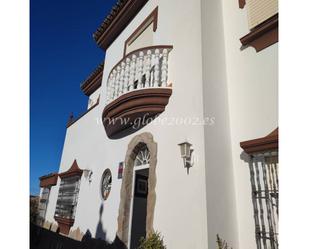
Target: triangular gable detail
[{"x": 73, "y": 171}]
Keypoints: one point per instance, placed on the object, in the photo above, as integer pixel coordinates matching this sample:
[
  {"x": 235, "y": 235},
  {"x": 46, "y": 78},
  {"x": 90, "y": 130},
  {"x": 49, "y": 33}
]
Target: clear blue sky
[{"x": 62, "y": 55}]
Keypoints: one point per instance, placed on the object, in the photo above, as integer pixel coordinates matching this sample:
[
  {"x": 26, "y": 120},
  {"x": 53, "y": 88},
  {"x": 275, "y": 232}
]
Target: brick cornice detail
[{"x": 48, "y": 180}]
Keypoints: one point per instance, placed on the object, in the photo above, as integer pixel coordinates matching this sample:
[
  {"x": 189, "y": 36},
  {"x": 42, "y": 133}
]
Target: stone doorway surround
[{"x": 134, "y": 146}]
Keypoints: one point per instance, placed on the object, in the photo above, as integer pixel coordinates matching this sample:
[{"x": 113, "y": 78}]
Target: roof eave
[{"x": 120, "y": 16}]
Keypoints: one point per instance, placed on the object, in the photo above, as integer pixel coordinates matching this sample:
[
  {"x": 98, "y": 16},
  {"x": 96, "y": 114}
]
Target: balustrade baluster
[
  {"x": 140, "y": 69},
  {"x": 156, "y": 68},
  {"x": 112, "y": 87},
  {"x": 152, "y": 63},
  {"x": 164, "y": 68},
  {"x": 108, "y": 89},
  {"x": 117, "y": 82},
  {"x": 147, "y": 68},
  {"x": 127, "y": 75},
  {"x": 143, "y": 69},
  {"x": 132, "y": 72},
  {"x": 121, "y": 84}
]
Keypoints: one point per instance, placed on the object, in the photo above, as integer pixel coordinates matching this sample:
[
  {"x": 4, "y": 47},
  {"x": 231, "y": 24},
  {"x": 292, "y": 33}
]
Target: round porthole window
[{"x": 106, "y": 183}]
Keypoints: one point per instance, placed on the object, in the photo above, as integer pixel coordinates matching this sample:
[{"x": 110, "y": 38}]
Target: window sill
[{"x": 263, "y": 36}]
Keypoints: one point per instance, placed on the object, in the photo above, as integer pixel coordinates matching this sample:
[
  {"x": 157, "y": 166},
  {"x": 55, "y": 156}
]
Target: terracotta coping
[
  {"x": 48, "y": 180},
  {"x": 267, "y": 143},
  {"x": 73, "y": 171}
]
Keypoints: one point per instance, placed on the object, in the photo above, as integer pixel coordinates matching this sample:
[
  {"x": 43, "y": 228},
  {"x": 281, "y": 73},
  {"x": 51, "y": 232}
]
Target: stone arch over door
[{"x": 126, "y": 187}]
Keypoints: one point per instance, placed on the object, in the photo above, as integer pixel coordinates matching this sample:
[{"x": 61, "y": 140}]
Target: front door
[{"x": 139, "y": 205}]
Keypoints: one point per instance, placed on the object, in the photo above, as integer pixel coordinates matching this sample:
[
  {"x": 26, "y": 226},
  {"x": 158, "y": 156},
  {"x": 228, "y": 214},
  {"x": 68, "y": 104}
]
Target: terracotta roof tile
[{"x": 93, "y": 82}]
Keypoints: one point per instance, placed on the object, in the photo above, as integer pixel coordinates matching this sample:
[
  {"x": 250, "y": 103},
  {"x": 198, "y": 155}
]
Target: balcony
[{"x": 137, "y": 91}]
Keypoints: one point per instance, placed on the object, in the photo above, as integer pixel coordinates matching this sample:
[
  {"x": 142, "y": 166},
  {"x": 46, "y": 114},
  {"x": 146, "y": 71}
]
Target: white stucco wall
[
  {"x": 221, "y": 207},
  {"x": 253, "y": 105},
  {"x": 180, "y": 204},
  {"x": 211, "y": 77}
]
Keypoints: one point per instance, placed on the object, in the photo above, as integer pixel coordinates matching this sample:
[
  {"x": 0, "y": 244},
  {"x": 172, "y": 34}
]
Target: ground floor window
[
  {"x": 67, "y": 197},
  {"x": 264, "y": 167},
  {"x": 265, "y": 198},
  {"x": 43, "y": 205}
]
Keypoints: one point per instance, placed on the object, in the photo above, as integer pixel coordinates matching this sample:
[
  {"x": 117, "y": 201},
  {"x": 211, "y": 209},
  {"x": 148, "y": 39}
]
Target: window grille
[
  {"x": 265, "y": 198},
  {"x": 67, "y": 197}
]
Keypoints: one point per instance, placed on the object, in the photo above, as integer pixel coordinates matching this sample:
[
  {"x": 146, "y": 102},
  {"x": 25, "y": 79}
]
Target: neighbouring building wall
[
  {"x": 252, "y": 80},
  {"x": 221, "y": 204}
]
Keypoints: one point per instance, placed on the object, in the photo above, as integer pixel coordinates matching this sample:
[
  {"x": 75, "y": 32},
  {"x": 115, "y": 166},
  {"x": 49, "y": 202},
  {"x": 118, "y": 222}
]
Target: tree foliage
[{"x": 34, "y": 203}]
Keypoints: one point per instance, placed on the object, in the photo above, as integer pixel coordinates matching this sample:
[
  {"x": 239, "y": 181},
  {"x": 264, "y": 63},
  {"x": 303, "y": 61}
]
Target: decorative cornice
[
  {"x": 144, "y": 105},
  {"x": 73, "y": 171},
  {"x": 268, "y": 143},
  {"x": 48, "y": 180},
  {"x": 116, "y": 21},
  {"x": 94, "y": 81},
  {"x": 263, "y": 35}
]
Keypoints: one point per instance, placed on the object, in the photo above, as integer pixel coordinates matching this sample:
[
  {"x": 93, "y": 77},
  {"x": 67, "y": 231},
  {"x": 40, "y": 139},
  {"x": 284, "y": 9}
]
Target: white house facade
[{"x": 180, "y": 134}]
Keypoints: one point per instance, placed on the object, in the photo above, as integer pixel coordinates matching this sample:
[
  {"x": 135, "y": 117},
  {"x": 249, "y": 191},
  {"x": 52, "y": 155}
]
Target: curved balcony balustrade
[{"x": 137, "y": 90}]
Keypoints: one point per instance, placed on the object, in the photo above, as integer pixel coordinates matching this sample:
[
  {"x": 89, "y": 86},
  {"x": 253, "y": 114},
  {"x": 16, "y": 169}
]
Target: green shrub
[
  {"x": 154, "y": 241},
  {"x": 221, "y": 244}
]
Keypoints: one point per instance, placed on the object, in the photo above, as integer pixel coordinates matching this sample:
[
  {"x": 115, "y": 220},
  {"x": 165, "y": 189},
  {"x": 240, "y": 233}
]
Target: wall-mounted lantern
[
  {"x": 186, "y": 154},
  {"x": 88, "y": 174}
]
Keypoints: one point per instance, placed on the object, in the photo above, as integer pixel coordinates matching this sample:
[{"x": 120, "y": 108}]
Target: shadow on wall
[
  {"x": 41, "y": 238},
  {"x": 100, "y": 232},
  {"x": 99, "y": 240}
]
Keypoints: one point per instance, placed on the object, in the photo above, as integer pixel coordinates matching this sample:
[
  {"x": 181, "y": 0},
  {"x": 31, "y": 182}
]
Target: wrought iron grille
[
  {"x": 67, "y": 197},
  {"x": 265, "y": 198}
]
